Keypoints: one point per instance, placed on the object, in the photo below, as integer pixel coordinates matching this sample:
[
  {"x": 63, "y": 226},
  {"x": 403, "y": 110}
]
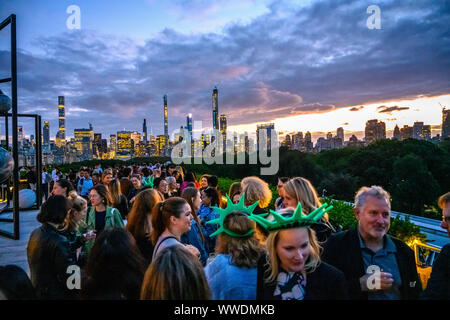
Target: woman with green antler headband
[{"x": 292, "y": 270}]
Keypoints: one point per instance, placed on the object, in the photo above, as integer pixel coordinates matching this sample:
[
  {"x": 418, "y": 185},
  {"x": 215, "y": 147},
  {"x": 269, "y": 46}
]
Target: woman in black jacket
[
  {"x": 49, "y": 252},
  {"x": 292, "y": 269}
]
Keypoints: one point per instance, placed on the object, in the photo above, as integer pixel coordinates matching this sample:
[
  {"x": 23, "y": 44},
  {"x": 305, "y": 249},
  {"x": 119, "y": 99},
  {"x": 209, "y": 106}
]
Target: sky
[{"x": 304, "y": 65}]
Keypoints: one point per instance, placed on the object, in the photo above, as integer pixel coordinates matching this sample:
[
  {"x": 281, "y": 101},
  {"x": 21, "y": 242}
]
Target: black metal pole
[
  {"x": 38, "y": 153},
  {"x": 14, "y": 127}
]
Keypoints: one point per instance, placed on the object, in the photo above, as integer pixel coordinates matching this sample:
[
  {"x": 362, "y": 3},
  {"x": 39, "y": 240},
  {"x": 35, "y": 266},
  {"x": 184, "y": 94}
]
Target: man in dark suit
[
  {"x": 376, "y": 265},
  {"x": 438, "y": 287}
]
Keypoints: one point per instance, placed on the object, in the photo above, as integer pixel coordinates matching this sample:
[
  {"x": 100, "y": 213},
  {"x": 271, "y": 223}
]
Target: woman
[
  {"x": 292, "y": 270},
  {"x": 174, "y": 275},
  {"x": 195, "y": 236},
  {"x": 170, "y": 219},
  {"x": 162, "y": 186},
  {"x": 75, "y": 223},
  {"x": 49, "y": 253},
  {"x": 139, "y": 221},
  {"x": 118, "y": 200},
  {"x": 280, "y": 189},
  {"x": 204, "y": 182},
  {"x": 115, "y": 268},
  {"x": 137, "y": 187},
  {"x": 210, "y": 197},
  {"x": 235, "y": 192},
  {"x": 233, "y": 272},
  {"x": 172, "y": 187},
  {"x": 189, "y": 177},
  {"x": 62, "y": 188},
  {"x": 107, "y": 176},
  {"x": 180, "y": 178},
  {"x": 256, "y": 189},
  {"x": 101, "y": 215},
  {"x": 300, "y": 190}
]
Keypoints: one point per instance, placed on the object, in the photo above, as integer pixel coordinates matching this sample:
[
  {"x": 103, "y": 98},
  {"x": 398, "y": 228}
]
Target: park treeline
[{"x": 415, "y": 172}]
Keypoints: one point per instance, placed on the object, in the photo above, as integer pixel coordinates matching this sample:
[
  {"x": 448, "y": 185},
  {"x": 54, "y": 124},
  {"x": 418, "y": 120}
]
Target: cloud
[
  {"x": 287, "y": 61},
  {"x": 389, "y": 110},
  {"x": 357, "y": 108}
]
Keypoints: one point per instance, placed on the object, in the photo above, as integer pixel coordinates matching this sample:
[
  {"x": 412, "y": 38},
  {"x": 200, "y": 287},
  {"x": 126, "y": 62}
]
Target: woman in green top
[{"x": 101, "y": 216}]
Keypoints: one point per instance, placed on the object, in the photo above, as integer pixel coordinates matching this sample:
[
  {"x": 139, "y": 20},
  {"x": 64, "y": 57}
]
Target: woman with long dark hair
[
  {"x": 49, "y": 253},
  {"x": 62, "y": 187},
  {"x": 210, "y": 197},
  {"x": 195, "y": 236},
  {"x": 118, "y": 200},
  {"x": 115, "y": 268},
  {"x": 139, "y": 221}
]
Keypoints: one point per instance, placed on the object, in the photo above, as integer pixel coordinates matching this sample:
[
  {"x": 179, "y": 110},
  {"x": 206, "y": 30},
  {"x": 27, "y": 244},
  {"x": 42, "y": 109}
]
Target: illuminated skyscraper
[
  {"x": 83, "y": 140},
  {"x": 112, "y": 146},
  {"x": 144, "y": 131},
  {"x": 189, "y": 129},
  {"x": 445, "y": 123},
  {"x": 215, "y": 109},
  {"x": 166, "y": 126},
  {"x": 223, "y": 130},
  {"x": 123, "y": 142},
  {"x": 268, "y": 127},
  {"x": 61, "y": 135}
]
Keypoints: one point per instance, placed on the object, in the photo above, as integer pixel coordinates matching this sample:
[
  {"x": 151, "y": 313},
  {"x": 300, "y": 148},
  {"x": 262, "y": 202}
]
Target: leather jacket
[{"x": 49, "y": 255}]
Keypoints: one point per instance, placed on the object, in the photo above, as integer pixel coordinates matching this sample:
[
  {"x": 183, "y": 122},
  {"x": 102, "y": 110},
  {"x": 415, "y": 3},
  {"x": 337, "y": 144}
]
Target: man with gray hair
[{"x": 376, "y": 265}]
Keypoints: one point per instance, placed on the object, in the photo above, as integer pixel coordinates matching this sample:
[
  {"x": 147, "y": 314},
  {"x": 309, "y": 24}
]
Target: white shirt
[{"x": 54, "y": 176}]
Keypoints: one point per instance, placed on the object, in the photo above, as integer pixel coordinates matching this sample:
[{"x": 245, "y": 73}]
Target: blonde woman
[
  {"x": 255, "y": 189},
  {"x": 292, "y": 269},
  {"x": 300, "y": 190}
]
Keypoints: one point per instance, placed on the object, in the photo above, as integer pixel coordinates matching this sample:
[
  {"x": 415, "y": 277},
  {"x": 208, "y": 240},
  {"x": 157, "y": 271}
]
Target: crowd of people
[{"x": 155, "y": 232}]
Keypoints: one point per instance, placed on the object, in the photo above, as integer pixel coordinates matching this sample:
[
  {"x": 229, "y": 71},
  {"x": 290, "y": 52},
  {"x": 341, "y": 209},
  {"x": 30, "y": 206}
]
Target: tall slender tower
[
  {"x": 144, "y": 131},
  {"x": 215, "y": 109},
  {"x": 61, "y": 135},
  {"x": 223, "y": 131},
  {"x": 189, "y": 129},
  {"x": 46, "y": 133},
  {"x": 166, "y": 126}
]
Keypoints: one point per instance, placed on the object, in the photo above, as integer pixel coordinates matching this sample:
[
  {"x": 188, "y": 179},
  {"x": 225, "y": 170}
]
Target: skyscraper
[
  {"x": 189, "y": 129},
  {"x": 123, "y": 142},
  {"x": 445, "y": 123},
  {"x": 215, "y": 109},
  {"x": 268, "y": 127},
  {"x": 397, "y": 133},
  {"x": 406, "y": 132},
  {"x": 83, "y": 140},
  {"x": 112, "y": 146},
  {"x": 418, "y": 130},
  {"x": 166, "y": 126},
  {"x": 375, "y": 130},
  {"x": 46, "y": 133},
  {"x": 426, "y": 132},
  {"x": 61, "y": 135},
  {"x": 144, "y": 131},
  {"x": 223, "y": 130},
  {"x": 340, "y": 133}
]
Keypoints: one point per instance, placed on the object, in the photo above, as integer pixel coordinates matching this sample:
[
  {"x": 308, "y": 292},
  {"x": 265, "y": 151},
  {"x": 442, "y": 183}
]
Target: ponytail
[
  {"x": 161, "y": 214},
  {"x": 158, "y": 225}
]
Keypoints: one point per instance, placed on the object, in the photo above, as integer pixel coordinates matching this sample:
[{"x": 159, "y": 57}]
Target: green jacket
[{"x": 113, "y": 219}]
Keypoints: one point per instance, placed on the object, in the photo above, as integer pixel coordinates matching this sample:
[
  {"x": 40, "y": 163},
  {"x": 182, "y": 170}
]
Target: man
[
  {"x": 85, "y": 184},
  {"x": 377, "y": 266},
  {"x": 55, "y": 176},
  {"x": 438, "y": 286}
]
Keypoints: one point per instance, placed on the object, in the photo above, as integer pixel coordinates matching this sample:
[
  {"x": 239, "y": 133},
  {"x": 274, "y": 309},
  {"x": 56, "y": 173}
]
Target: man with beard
[{"x": 376, "y": 265}]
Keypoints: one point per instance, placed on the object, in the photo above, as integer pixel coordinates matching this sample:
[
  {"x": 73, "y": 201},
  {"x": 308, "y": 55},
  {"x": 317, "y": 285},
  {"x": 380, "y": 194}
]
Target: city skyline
[{"x": 269, "y": 65}]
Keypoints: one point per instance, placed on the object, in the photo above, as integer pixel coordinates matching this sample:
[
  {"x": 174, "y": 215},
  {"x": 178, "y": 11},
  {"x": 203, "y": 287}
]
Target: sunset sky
[{"x": 304, "y": 65}]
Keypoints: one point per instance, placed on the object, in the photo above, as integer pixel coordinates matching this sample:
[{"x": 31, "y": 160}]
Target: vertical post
[
  {"x": 38, "y": 153},
  {"x": 14, "y": 128}
]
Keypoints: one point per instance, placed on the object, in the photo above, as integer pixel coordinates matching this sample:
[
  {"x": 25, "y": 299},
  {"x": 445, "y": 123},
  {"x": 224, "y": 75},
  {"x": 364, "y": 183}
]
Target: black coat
[
  {"x": 49, "y": 255},
  {"x": 325, "y": 283},
  {"x": 438, "y": 287},
  {"x": 343, "y": 251}
]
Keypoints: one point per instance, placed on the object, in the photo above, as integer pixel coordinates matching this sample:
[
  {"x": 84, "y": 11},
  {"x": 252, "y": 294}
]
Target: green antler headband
[
  {"x": 298, "y": 219},
  {"x": 148, "y": 182},
  {"x": 231, "y": 207}
]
